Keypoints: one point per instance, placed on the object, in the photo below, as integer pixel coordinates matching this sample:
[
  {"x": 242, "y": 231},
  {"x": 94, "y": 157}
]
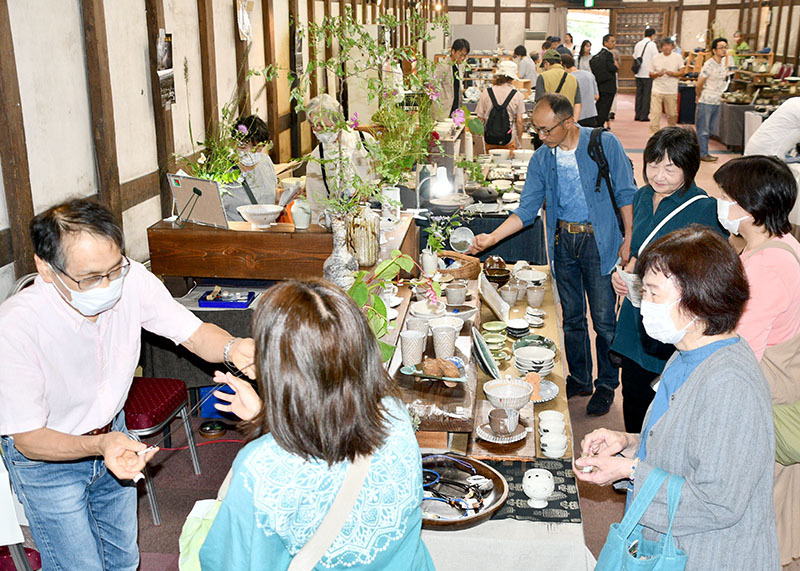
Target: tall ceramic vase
[
  {"x": 340, "y": 265},
  {"x": 363, "y": 236}
]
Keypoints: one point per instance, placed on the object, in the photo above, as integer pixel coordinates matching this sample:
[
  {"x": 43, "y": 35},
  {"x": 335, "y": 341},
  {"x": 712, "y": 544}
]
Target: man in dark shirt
[{"x": 605, "y": 72}]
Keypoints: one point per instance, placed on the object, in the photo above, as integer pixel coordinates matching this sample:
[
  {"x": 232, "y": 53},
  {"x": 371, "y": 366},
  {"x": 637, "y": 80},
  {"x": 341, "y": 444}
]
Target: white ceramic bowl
[
  {"x": 530, "y": 275},
  {"x": 508, "y": 393},
  {"x": 554, "y": 452},
  {"x": 550, "y": 415},
  {"x": 462, "y": 312},
  {"x": 502, "y": 184},
  {"x": 260, "y": 215},
  {"x": 535, "y": 354},
  {"x": 523, "y": 155},
  {"x": 427, "y": 310},
  {"x": 499, "y": 154}
]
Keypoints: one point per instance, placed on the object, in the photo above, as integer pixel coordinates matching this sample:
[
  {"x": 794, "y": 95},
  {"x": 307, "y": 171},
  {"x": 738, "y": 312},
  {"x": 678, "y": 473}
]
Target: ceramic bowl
[
  {"x": 536, "y": 340},
  {"x": 501, "y": 184},
  {"x": 494, "y": 262},
  {"x": 446, "y": 321},
  {"x": 427, "y": 310},
  {"x": 485, "y": 194},
  {"x": 494, "y": 326},
  {"x": 531, "y": 275},
  {"x": 499, "y": 276},
  {"x": 494, "y": 338},
  {"x": 550, "y": 415},
  {"x": 499, "y": 154},
  {"x": 554, "y": 452},
  {"x": 260, "y": 215},
  {"x": 508, "y": 393},
  {"x": 462, "y": 312},
  {"x": 523, "y": 155},
  {"x": 536, "y": 355}
]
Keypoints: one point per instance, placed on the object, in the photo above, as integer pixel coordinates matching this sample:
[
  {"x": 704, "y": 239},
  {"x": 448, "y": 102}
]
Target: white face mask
[
  {"x": 723, "y": 211},
  {"x": 328, "y": 137},
  {"x": 248, "y": 158},
  {"x": 93, "y": 301},
  {"x": 658, "y": 322}
]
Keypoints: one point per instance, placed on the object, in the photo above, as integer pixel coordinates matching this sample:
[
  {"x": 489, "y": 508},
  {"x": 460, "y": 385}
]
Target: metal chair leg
[
  {"x": 187, "y": 425},
  {"x": 18, "y": 557},
  {"x": 151, "y": 497}
]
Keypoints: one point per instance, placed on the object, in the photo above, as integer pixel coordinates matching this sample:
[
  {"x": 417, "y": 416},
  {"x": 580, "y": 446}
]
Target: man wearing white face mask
[{"x": 69, "y": 345}]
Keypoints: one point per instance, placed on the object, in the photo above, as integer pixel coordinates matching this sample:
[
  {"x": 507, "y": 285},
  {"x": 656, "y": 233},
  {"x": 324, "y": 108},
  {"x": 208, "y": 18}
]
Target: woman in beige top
[{"x": 506, "y": 73}]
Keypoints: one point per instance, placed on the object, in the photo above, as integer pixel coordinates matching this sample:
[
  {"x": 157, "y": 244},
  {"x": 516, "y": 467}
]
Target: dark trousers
[
  {"x": 637, "y": 394},
  {"x": 603, "y": 107},
  {"x": 644, "y": 85},
  {"x": 589, "y": 122}
]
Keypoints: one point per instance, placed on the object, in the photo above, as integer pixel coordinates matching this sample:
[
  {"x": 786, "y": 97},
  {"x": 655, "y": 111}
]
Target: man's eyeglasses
[
  {"x": 92, "y": 282},
  {"x": 546, "y": 132}
]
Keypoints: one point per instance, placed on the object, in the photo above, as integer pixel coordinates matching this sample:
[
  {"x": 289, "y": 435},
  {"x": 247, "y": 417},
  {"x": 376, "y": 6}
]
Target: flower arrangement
[{"x": 442, "y": 226}]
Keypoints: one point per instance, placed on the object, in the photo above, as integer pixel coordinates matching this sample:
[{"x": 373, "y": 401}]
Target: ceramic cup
[
  {"x": 444, "y": 341},
  {"x": 503, "y": 421},
  {"x": 553, "y": 441},
  {"x": 554, "y": 452},
  {"x": 548, "y": 415},
  {"x": 412, "y": 345},
  {"x": 509, "y": 294},
  {"x": 417, "y": 324},
  {"x": 387, "y": 293},
  {"x": 538, "y": 484},
  {"x": 535, "y": 295},
  {"x": 456, "y": 294},
  {"x": 552, "y": 427}
]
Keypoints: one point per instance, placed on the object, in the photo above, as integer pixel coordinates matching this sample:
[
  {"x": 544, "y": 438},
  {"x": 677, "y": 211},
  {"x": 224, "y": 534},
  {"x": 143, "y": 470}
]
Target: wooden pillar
[
  {"x": 102, "y": 105},
  {"x": 469, "y": 12},
  {"x": 328, "y": 49},
  {"x": 778, "y": 29},
  {"x": 311, "y": 8},
  {"x": 294, "y": 124},
  {"x": 208, "y": 62},
  {"x": 242, "y": 66},
  {"x": 786, "y": 55},
  {"x": 712, "y": 14},
  {"x": 13, "y": 152},
  {"x": 165, "y": 139},
  {"x": 497, "y": 18},
  {"x": 268, "y": 23}
]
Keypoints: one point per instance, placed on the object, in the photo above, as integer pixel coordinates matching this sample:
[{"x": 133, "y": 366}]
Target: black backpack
[
  {"x": 498, "y": 126},
  {"x": 598, "y": 155}
]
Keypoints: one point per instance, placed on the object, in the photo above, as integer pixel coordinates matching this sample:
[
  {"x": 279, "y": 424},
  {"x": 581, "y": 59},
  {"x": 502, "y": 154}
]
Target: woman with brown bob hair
[
  {"x": 328, "y": 402},
  {"x": 712, "y": 398}
]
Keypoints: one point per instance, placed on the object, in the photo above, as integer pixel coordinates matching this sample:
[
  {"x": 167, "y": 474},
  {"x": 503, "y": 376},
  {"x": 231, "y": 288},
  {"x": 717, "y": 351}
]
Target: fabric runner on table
[{"x": 563, "y": 505}]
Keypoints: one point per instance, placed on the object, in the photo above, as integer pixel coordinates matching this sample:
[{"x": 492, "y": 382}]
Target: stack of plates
[
  {"x": 534, "y": 358},
  {"x": 427, "y": 310},
  {"x": 484, "y": 355},
  {"x": 517, "y": 328},
  {"x": 494, "y": 327},
  {"x": 534, "y": 317}
]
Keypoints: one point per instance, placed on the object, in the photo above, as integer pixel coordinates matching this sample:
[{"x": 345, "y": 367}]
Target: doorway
[{"x": 589, "y": 25}]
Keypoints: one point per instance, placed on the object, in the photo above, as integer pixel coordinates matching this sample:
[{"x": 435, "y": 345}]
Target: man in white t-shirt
[
  {"x": 709, "y": 88},
  {"x": 665, "y": 69},
  {"x": 645, "y": 48}
]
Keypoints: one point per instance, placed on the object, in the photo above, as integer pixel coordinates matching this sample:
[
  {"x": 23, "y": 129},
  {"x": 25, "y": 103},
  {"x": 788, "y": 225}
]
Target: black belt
[{"x": 102, "y": 430}]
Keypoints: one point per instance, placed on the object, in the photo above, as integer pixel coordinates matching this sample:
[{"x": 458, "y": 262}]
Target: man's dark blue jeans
[{"x": 578, "y": 275}]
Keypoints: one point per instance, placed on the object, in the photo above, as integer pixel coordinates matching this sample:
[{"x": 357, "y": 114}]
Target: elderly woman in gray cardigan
[{"x": 711, "y": 418}]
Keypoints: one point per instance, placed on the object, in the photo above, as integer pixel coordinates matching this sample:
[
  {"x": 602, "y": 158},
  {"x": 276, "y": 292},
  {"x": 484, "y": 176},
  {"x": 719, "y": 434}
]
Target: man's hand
[
  {"x": 119, "y": 453},
  {"x": 481, "y": 242},
  {"x": 244, "y": 402},
  {"x": 243, "y": 354}
]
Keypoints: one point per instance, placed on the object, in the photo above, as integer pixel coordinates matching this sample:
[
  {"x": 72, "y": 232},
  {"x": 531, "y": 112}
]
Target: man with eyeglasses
[
  {"x": 709, "y": 89},
  {"x": 69, "y": 345},
  {"x": 583, "y": 238}
]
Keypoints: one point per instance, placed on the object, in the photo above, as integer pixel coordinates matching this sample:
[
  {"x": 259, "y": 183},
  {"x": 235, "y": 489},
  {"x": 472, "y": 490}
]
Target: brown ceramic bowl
[
  {"x": 499, "y": 276},
  {"x": 494, "y": 262}
]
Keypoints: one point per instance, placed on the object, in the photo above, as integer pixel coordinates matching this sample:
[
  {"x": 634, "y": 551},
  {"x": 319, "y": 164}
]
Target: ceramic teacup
[
  {"x": 535, "y": 295},
  {"x": 444, "y": 341},
  {"x": 417, "y": 324},
  {"x": 509, "y": 294},
  {"x": 554, "y": 452},
  {"x": 412, "y": 345},
  {"x": 503, "y": 421},
  {"x": 553, "y": 441},
  {"x": 456, "y": 293},
  {"x": 552, "y": 427},
  {"x": 548, "y": 415}
]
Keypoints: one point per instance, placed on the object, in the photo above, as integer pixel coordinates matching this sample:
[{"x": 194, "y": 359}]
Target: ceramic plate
[
  {"x": 391, "y": 314},
  {"x": 395, "y": 301},
  {"x": 502, "y": 355},
  {"x": 484, "y": 432},
  {"x": 536, "y": 340},
  {"x": 534, "y": 353},
  {"x": 494, "y": 326},
  {"x": 548, "y": 390},
  {"x": 535, "y": 312},
  {"x": 484, "y": 355}
]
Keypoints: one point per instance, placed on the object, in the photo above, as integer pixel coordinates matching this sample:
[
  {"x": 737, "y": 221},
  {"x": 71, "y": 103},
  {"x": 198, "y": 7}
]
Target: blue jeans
[
  {"x": 81, "y": 516},
  {"x": 706, "y": 123},
  {"x": 578, "y": 275}
]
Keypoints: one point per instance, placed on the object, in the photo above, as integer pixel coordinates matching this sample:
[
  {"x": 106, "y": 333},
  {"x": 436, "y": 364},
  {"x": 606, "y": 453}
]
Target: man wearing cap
[
  {"x": 447, "y": 81},
  {"x": 555, "y": 79},
  {"x": 501, "y": 89},
  {"x": 69, "y": 345}
]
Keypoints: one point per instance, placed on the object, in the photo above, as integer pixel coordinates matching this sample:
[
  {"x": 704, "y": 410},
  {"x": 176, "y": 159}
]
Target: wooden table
[{"x": 240, "y": 252}]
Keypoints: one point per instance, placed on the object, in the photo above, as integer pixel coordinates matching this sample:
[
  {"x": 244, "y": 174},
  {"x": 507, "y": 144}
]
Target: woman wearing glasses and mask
[
  {"x": 324, "y": 181},
  {"x": 758, "y": 192},
  {"x": 711, "y": 419},
  {"x": 329, "y": 408}
]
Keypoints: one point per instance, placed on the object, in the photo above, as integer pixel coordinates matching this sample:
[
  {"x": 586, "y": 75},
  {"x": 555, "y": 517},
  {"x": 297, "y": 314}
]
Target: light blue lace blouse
[{"x": 277, "y": 501}]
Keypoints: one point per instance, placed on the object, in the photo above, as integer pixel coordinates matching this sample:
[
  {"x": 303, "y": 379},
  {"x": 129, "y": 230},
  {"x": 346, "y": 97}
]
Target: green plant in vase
[{"x": 442, "y": 226}]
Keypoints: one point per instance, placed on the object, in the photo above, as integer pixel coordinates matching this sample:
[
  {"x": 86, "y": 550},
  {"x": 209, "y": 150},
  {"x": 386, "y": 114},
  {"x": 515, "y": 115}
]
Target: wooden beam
[
  {"x": 328, "y": 49},
  {"x": 498, "y": 19},
  {"x": 495, "y": 10},
  {"x": 755, "y": 44},
  {"x": 311, "y": 11},
  {"x": 243, "y": 66},
  {"x": 294, "y": 19},
  {"x": 208, "y": 62},
  {"x": 787, "y": 37},
  {"x": 6, "y": 251},
  {"x": 14, "y": 153},
  {"x": 139, "y": 189},
  {"x": 268, "y": 24},
  {"x": 712, "y": 13},
  {"x": 678, "y": 19},
  {"x": 469, "y": 9},
  {"x": 162, "y": 117},
  {"x": 102, "y": 105},
  {"x": 796, "y": 51}
]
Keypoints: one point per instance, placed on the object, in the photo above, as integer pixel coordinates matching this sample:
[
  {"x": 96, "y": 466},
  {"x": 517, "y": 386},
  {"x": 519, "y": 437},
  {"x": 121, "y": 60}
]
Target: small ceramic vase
[
  {"x": 538, "y": 484},
  {"x": 301, "y": 213}
]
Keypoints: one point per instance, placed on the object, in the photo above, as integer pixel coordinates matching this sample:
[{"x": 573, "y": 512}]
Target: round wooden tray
[{"x": 451, "y": 470}]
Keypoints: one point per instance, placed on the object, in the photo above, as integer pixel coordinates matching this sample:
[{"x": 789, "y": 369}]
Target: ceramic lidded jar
[{"x": 538, "y": 484}]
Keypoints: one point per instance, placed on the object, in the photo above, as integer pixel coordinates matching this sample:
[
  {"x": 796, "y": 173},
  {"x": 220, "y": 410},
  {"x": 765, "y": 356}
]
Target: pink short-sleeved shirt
[
  {"x": 515, "y": 107},
  {"x": 61, "y": 371},
  {"x": 772, "y": 315}
]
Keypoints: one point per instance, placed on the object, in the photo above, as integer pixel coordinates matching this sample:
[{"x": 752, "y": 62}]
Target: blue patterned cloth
[
  {"x": 277, "y": 501},
  {"x": 571, "y": 202}
]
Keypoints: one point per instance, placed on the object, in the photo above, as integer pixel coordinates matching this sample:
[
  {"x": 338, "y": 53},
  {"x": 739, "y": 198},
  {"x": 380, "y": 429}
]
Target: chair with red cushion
[{"x": 152, "y": 404}]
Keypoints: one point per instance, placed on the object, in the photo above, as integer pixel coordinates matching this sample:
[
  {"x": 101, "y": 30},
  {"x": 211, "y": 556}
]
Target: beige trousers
[{"x": 670, "y": 104}]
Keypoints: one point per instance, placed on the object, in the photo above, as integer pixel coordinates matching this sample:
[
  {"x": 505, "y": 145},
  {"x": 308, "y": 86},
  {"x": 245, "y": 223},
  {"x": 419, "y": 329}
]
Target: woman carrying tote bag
[{"x": 711, "y": 419}]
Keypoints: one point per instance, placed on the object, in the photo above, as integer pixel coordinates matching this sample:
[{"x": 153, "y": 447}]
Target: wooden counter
[{"x": 276, "y": 253}]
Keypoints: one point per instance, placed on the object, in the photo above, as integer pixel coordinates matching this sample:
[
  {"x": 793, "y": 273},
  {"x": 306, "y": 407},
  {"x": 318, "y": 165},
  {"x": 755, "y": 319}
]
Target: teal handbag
[{"x": 626, "y": 549}]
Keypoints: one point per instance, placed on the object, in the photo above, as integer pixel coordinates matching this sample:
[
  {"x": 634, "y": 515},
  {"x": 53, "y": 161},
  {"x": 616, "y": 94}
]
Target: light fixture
[
  {"x": 440, "y": 187},
  {"x": 437, "y": 6}
]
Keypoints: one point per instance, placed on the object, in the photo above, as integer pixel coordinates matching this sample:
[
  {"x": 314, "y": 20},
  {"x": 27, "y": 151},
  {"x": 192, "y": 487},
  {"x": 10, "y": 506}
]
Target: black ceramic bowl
[{"x": 499, "y": 276}]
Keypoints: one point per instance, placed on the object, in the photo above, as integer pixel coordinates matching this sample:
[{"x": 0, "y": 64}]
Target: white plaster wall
[
  {"x": 458, "y": 18},
  {"x": 258, "y": 102},
  {"x": 225, "y": 47},
  {"x": 726, "y": 23},
  {"x": 6, "y": 280},
  {"x": 483, "y": 18},
  {"x": 180, "y": 19},
  {"x": 780, "y": 49},
  {"x": 135, "y": 222},
  {"x": 693, "y": 23},
  {"x": 512, "y": 30},
  {"x": 3, "y": 205},
  {"x": 129, "y": 67},
  {"x": 54, "y": 96},
  {"x": 539, "y": 21}
]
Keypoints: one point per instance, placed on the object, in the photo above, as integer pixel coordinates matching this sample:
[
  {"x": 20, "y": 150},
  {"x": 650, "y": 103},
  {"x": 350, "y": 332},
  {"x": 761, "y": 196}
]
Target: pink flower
[
  {"x": 354, "y": 121},
  {"x": 242, "y": 129},
  {"x": 458, "y": 117},
  {"x": 432, "y": 93},
  {"x": 430, "y": 294}
]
